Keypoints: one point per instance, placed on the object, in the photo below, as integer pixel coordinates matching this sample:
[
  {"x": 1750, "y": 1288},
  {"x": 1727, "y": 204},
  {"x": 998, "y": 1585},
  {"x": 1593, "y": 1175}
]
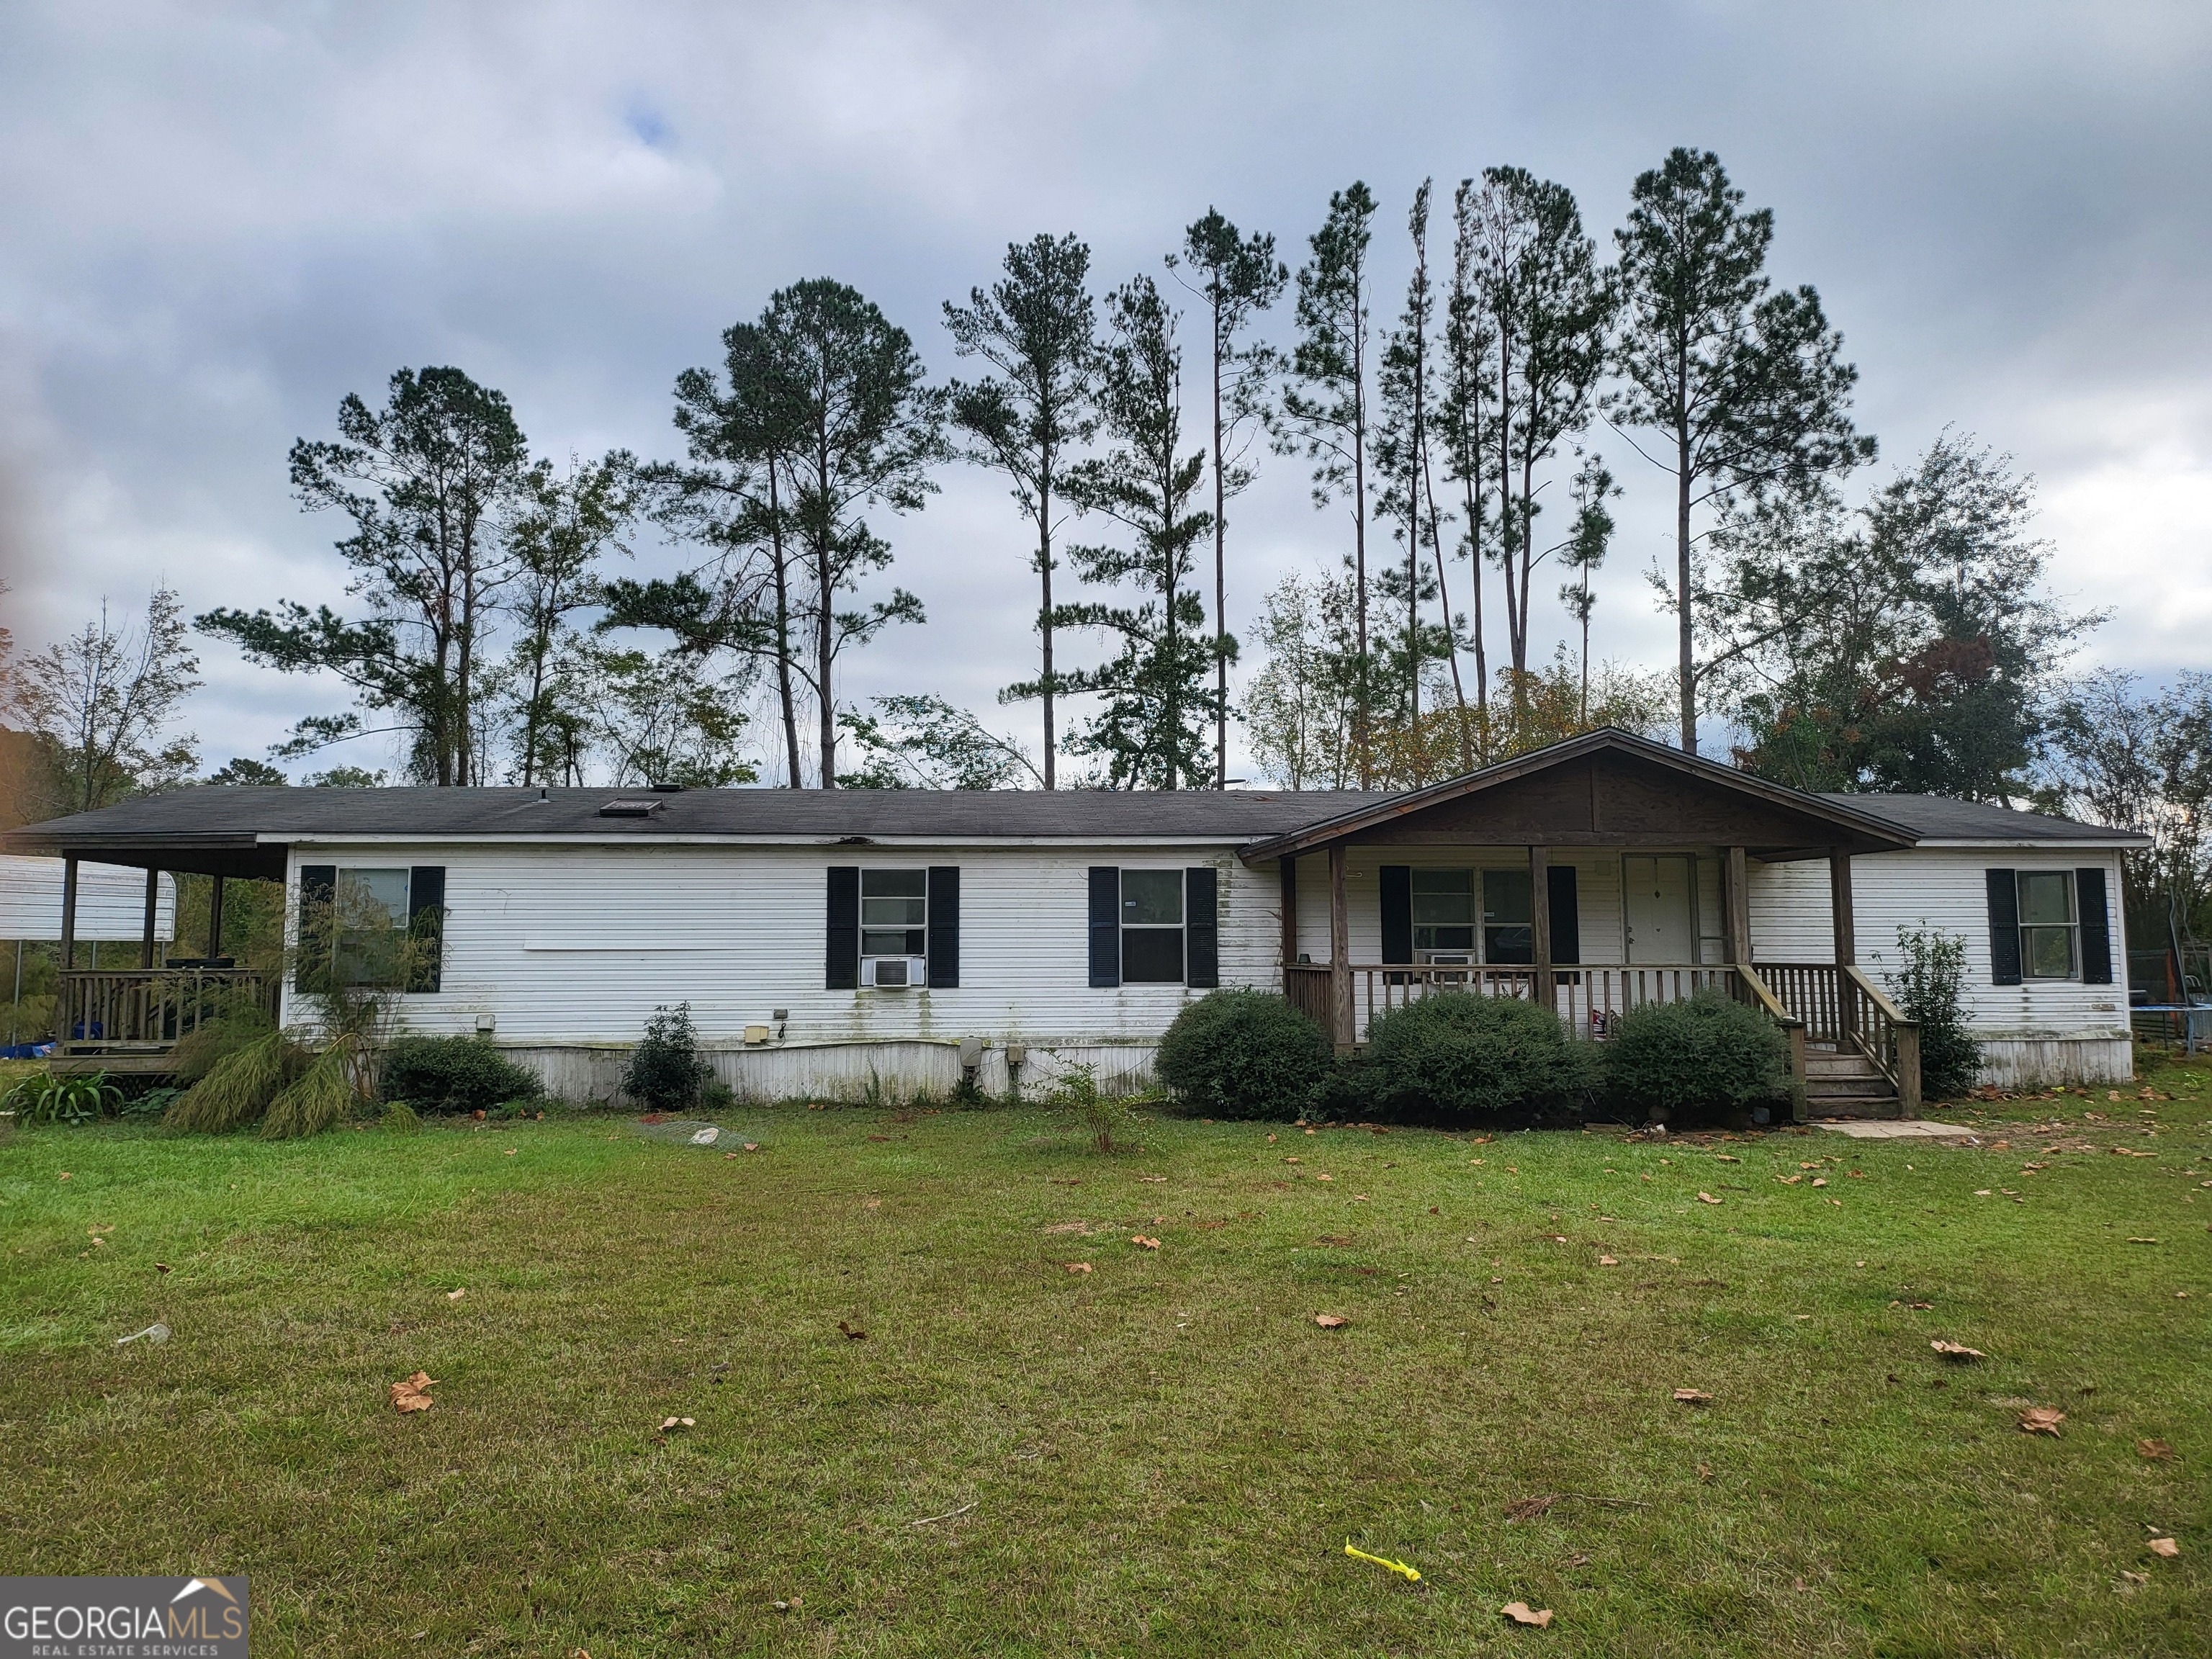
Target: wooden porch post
[
  {"x": 1840, "y": 903},
  {"x": 69, "y": 913},
  {"x": 215, "y": 919},
  {"x": 1736, "y": 905},
  {"x": 1539, "y": 914},
  {"x": 153, "y": 902},
  {"x": 1339, "y": 952},
  {"x": 1287, "y": 871},
  {"x": 1839, "y": 900}
]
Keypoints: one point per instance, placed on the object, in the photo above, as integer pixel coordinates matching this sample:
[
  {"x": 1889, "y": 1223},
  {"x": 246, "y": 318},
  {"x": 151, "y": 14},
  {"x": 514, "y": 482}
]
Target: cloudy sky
[{"x": 219, "y": 219}]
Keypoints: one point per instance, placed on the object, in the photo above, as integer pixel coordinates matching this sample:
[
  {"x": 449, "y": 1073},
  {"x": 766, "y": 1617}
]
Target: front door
[{"x": 1662, "y": 916}]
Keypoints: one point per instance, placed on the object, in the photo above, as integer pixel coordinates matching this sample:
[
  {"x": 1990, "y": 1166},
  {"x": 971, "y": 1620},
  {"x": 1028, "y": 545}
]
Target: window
[
  {"x": 1151, "y": 926},
  {"x": 2048, "y": 926},
  {"x": 893, "y": 913},
  {"x": 1443, "y": 913},
  {"x": 362, "y": 927},
  {"x": 1509, "y": 917}
]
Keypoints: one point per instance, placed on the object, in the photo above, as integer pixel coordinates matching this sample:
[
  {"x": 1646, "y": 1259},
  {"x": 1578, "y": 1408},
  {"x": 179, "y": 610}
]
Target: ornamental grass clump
[
  {"x": 1243, "y": 1055},
  {"x": 1706, "y": 1053},
  {"x": 237, "y": 1087},
  {"x": 1455, "y": 1056}
]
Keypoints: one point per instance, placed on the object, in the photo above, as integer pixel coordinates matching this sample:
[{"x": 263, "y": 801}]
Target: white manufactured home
[{"x": 832, "y": 942}]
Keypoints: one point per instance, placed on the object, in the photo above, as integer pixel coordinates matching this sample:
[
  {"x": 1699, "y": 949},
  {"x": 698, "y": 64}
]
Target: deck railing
[
  {"x": 1843, "y": 1006},
  {"x": 105, "y": 1011},
  {"x": 1588, "y": 997}
]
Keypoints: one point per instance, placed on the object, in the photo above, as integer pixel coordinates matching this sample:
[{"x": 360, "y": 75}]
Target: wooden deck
[{"x": 130, "y": 1020}]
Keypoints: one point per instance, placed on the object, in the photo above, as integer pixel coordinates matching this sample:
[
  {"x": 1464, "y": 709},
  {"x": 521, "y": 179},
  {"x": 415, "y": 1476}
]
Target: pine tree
[
  {"x": 1036, "y": 327},
  {"x": 1237, "y": 277},
  {"x": 1326, "y": 408},
  {"x": 1151, "y": 729},
  {"x": 1745, "y": 387}
]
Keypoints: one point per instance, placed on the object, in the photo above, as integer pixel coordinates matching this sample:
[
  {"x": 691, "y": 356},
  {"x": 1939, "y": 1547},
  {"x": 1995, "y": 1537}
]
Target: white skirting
[
  {"x": 894, "y": 1070},
  {"x": 2040, "y": 1062}
]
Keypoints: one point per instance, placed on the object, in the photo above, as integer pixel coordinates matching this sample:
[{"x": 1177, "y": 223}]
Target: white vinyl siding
[
  {"x": 1945, "y": 888},
  {"x": 578, "y": 945}
]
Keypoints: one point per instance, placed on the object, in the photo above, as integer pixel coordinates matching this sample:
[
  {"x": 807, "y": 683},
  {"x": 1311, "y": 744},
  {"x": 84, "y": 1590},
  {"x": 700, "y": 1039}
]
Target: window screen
[
  {"x": 893, "y": 913},
  {"x": 1444, "y": 909},
  {"x": 1509, "y": 919},
  {"x": 2049, "y": 946},
  {"x": 1152, "y": 927}
]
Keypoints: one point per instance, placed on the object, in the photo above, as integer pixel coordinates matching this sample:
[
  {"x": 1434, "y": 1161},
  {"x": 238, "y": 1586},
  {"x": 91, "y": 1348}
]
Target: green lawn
[{"x": 1164, "y": 1456}]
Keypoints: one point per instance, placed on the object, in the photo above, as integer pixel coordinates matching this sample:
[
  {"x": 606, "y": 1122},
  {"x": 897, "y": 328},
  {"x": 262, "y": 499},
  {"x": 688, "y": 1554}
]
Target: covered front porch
[
  {"x": 1603, "y": 875},
  {"x": 130, "y": 1020}
]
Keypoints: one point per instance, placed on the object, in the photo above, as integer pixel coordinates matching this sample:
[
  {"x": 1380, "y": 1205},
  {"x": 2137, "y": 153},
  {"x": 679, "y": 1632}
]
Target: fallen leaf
[
  {"x": 455, "y": 1295},
  {"x": 1707, "y": 1198},
  {"x": 668, "y": 1422},
  {"x": 1156, "y": 1180},
  {"x": 1819, "y": 1180},
  {"x": 2156, "y": 1450},
  {"x": 1705, "y": 1471},
  {"x": 752, "y": 1146},
  {"x": 412, "y": 1396},
  {"x": 1724, "y": 1157},
  {"x": 852, "y": 1333},
  {"x": 63, "y": 1175},
  {"x": 1343, "y": 1238},
  {"x": 160, "y": 1266},
  {"x": 2143, "y": 1240},
  {"x": 2041, "y": 1419},
  {"x": 1324, "y": 1177},
  {"x": 1693, "y": 1397},
  {"x": 1527, "y": 1508},
  {"x": 1148, "y": 1244},
  {"x": 1521, "y": 1614},
  {"x": 1330, "y": 1321},
  {"x": 2134, "y": 1578},
  {"x": 2165, "y": 1546},
  {"x": 1606, "y": 1262},
  {"x": 510, "y": 1151},
  {"x": 1789, "y": 1181},
  {"x": 1958, "y": 1351},
  {"x": 1078, "y": 1267},
  {"x": 1982, "y": 1192},
  {"x": 871, "y": 1204}
]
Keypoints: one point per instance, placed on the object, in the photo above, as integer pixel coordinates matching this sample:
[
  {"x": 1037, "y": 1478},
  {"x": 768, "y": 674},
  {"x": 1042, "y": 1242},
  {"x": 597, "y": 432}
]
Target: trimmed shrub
[
  {"x": 1929, "y": 985},
  {"x": 665, "y": 1072},
  {"x": 1706, "y": 1053},
  {"x": 1243, "y": 1055},
  {"x": 1456, "y": 1055},
  {"x": 454, "y": 1074}
]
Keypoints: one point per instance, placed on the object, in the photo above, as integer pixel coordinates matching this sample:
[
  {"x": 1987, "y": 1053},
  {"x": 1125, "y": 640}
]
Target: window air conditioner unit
[
  {"x": 893, "y": 973},
  {"x": 1447, "y": 958}
]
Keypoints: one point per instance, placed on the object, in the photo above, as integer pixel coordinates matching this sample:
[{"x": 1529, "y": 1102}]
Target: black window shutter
[
  {"x": 1397, "y": 913},
  {"x": 1105, "y": 925},
  {"x": 1201, "y": 921},
  {"x": 841, "y": 972},
  {"x": 2096, "y": 925},
  {"x": 1566, "y": 914},
  {"x": 2004, "y": 927},
  {"x": 426, "y": 927},
  {"x": 944, "y": 926},
  {"x": 319, "y": 897}
]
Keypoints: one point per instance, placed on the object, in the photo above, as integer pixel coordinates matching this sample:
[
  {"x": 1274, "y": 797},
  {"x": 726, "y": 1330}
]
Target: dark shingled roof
[
  {"x": 1938, "y": 817},
  {"x": 229, "y": 813}
]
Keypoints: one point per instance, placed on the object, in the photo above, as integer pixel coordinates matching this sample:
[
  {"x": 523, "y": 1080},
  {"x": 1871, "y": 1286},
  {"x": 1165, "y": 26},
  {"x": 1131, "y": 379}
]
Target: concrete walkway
[{"x": 1910, "y": 1129}]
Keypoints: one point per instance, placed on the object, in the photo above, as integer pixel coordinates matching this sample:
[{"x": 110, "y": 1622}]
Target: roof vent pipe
[{"x": 667, "y": 788}]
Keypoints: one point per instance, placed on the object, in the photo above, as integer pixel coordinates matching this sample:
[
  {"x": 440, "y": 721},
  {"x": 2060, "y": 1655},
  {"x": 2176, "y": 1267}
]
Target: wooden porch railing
[
  {"x": 105, "y": 1010},
  {"x": 1844, "y": 1006},
  {"x": 1587, "y": 997}
]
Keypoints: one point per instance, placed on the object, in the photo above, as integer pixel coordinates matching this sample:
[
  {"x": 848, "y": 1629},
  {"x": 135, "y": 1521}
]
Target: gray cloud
[{"x": 221, "y": 220}]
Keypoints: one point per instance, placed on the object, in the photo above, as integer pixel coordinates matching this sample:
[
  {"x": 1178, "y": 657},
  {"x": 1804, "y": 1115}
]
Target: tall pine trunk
[
  {"x": 1044, "y": 616},
  {"x": 1220, "y": 578},
  {"x": 783, "y": 630},
  {"x": 1689, "y": 669}
]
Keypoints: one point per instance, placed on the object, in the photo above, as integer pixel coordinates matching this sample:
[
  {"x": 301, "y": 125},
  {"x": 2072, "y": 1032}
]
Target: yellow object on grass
[{"x": 1412, "y": 1576}]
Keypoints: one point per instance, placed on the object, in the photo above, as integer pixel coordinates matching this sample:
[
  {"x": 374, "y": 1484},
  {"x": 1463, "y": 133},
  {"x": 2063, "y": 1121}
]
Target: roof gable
[{"x": 1604, "y": 789}]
